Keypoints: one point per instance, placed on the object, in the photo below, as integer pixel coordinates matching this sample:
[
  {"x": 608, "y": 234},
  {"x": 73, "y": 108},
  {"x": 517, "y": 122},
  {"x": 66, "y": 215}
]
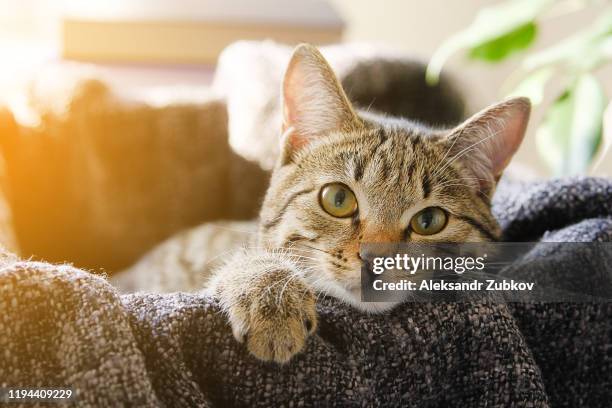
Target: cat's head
[{"x": 346, "y": 178}]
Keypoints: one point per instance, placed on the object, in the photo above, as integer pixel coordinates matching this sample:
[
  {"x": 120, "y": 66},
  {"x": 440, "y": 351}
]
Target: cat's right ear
[{"x": 313, "y": 102}]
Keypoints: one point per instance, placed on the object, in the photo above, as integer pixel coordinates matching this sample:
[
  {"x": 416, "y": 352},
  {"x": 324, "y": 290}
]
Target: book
[{"x": 190, "y": 31}]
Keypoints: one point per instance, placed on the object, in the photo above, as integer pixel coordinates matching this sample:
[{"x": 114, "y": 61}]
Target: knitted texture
[{"x": 60, "y": 326}]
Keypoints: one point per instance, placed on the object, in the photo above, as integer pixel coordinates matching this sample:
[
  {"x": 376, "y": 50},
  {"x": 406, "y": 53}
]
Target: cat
[{"x": 344, "y": 177}]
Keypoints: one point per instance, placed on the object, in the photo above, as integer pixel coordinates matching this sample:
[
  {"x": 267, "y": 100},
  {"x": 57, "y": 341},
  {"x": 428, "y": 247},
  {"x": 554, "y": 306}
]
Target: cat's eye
[
  {"x": 338, "y": 200},
  {"x": 429, "y": 221}
]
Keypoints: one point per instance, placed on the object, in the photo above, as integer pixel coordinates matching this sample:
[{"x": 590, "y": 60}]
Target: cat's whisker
[
  {"x": 465, "y": 151},
  {"x": 216, "y": 257},
  {"x": 277, "y": 250},
  {"x": 298, "y": 247},
  {"x": 302, "y": 254},
  {"x": 282, "y": 251},
  {"x": 441, "y": 162},
  {"x": 282, "y": 291},
  {"x": 370, "y": 105},
  {"x": 459, "y": 179},
  {"x": 318, "y": 249},
  {"x": 458, "y": 184},
  {"x": 478, "y": 190}
]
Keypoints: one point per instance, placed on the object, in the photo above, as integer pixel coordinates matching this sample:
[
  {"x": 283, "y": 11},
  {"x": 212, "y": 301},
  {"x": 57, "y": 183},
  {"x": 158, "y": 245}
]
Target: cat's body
[{"x": 344, "y": 179}]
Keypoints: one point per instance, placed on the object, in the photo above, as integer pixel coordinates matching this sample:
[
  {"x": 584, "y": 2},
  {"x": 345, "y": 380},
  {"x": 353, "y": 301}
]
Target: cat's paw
[{"x": 275, "y": 318}]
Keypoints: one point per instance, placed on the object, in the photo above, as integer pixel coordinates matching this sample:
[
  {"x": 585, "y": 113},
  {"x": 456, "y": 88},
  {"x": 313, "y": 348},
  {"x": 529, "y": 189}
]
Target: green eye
[
  {"x": 429, "y": 221},
  {"x": 338, "y": 200}
]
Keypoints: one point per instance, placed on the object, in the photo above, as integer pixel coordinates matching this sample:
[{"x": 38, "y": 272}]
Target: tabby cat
[{"x": 345, "y": 178}]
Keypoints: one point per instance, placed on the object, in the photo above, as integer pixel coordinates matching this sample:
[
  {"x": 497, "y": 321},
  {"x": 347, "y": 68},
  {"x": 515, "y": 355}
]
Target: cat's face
[{"x": 345, "y": 179}]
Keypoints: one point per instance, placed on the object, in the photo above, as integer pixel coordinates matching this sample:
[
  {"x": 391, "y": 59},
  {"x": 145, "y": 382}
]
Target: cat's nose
[{"x": 368, "y": 252}]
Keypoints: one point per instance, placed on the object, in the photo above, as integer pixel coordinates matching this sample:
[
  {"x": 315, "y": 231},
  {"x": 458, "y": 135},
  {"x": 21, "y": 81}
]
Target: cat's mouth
[
  {"x": 349, "y": 291},
  {"x": 353, "y": 292},
  {"x": 353, "y": 296}
]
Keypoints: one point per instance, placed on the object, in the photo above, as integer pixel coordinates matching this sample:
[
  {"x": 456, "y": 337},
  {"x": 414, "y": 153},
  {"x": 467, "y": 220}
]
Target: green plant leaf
[
  {"x": 499, "y": 48},
  {"x": 606, "y": 138},
  {"x": 571, "y": 131},
  {"x": 582, "y": 51},
  {"x": 533, "y": 85},
  {"x": 509, "y": 18}
]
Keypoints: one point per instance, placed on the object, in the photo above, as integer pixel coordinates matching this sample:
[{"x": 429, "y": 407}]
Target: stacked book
[{"x": 189, "y": 31}]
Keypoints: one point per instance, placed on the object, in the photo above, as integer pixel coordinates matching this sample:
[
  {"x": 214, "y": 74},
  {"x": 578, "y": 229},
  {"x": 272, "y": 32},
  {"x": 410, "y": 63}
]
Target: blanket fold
[{"x": 60, "y": 326}]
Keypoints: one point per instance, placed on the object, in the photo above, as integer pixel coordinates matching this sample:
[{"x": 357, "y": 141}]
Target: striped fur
[{"x": 394, "y": 167}]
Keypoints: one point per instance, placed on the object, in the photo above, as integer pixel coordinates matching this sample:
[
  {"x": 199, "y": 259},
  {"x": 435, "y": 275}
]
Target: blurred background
[
  {"x": 34, "y": 32},
  {"x": 76, "y": 191}
]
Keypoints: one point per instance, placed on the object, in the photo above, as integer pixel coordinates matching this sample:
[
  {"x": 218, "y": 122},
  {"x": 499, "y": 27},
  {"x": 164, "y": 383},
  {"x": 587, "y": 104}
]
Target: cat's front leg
[{"x": 269, "y": 305}]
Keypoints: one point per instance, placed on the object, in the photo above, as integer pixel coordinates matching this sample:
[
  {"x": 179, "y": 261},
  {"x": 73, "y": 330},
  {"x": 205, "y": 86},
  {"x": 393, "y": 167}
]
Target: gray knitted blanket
[{"x": 63, "y": 327}]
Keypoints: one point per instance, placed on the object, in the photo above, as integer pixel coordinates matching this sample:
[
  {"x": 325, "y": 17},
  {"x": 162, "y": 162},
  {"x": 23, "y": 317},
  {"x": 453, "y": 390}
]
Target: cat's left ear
[
  {"x": 313, "y": 101},
  {"x": 486, "y": 142}
]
